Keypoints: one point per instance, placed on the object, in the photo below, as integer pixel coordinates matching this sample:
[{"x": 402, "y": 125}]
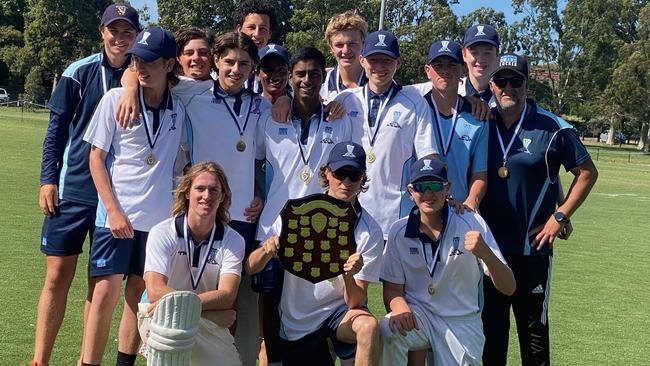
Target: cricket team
[{"x": 175, "y": 154}]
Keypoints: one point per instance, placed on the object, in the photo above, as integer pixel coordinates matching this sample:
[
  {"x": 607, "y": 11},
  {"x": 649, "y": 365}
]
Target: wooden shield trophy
[{"x": 317, "y": 236}]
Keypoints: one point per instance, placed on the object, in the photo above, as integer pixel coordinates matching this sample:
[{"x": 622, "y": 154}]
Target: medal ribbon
[
  {"x": 382, "y": 106},
  {"x": 310, "y": 146},
  {"x": 143, "y": 112},
  {"x": 432, "y": 268},
  {"x": 186, "y": 235},
  {"x": 338, "y": 84},
  {"x": 446, "y": 142},
  {"x": 235, "y": 118},
  {"x": 514, "y": 135}
]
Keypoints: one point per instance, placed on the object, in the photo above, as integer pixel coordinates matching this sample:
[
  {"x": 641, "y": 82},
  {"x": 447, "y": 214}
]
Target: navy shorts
[
  {"x": 313, "y": 349},
  {"x": 64, "y": 233},
  {"x": 109, "y": 255}
]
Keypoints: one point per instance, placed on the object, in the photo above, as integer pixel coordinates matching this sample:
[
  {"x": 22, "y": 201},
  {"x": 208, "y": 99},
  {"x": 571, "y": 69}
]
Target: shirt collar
[
  {"x": 334, "y": 80},
  {"x": 104, "y": 62},
  {"x": 178, "y": 224},
  {"x": 166, "y": 103},
  {"x": 413, "y": 223},
  {"x": 220, "y": 93}
]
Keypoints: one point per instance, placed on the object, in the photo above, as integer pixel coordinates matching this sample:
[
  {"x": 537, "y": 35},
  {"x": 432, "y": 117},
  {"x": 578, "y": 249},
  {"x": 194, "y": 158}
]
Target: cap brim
[
  {"x": 488, "y": 41},
  {"x": 429, "y": 177},
  {"x": 340, "y": 164},
  {"x": 135, "y": 26},
  {"x": 453, "y": 57},
  {"x": 509, "y": 68},
  {"x": 146, "y": 55},
  {"x": 384, "y": 52}
]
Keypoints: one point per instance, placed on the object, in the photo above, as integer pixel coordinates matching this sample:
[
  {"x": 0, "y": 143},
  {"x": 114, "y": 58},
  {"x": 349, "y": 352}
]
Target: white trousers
[{"x": 247, "y": 335}]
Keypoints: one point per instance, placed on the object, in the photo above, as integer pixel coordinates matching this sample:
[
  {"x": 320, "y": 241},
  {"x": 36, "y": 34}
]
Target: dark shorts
[
  {"x": 313, "y": 349},
  {"x": 109, "y": 255},
  {"x": 64, "y": 233}
]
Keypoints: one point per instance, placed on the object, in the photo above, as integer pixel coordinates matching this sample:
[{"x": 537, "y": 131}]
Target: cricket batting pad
[{"x": 174, "y": 324}]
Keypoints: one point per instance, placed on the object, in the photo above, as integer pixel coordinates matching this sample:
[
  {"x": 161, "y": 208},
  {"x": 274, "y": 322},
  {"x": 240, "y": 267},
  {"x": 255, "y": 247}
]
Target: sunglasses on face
[
  {"x": 421, "y": 187},
  {"x": 501, "y": 82},
  {"x": 341, "y": 174}
]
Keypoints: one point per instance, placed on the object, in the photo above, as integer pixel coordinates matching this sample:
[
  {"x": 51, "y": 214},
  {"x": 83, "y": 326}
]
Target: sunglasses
[
  {"x": 501, "y": 82},
  {"x": 421, "y": 187},
  {"x": 341, "y": 174}
]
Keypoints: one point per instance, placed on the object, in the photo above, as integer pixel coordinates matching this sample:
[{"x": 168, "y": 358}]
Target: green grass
[{"x": 600, "y": 285}]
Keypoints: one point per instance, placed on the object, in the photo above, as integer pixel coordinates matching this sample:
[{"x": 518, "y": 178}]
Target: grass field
[{"x": 600, "y": 287}]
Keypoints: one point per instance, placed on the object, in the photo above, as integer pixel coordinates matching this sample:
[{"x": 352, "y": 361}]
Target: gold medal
[
  {"x": 503, "y": 172},
  {"x": 241, "y": 146},
  {"x": 305, "y": 175},
  {"x": 151, "y": 159},
  {"x": 431, "y": 289},
  {"x": 371, "y": 157}
]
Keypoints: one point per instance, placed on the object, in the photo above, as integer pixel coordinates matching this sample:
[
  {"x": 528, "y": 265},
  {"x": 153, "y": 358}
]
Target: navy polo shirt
[
  {"x": 65, "y": 153},
  {"x": 527, "y": 197}
]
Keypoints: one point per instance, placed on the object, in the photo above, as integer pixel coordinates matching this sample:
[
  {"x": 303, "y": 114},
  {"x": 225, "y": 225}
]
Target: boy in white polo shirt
[
  {"x": 133, "y": 172},
  {"x": 392, "y": 124},
  {"x": 196, "y": 250},
  {"x": 335, "y": 309},
  {"x": 433, "y": 265}
]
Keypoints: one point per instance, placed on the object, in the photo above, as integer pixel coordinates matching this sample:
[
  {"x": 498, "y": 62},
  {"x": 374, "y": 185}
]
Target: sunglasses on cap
[
  {"x": 501, "y": 82},
  {"x": 341, "y": 174},
  {"x": 431, "y": 186}
]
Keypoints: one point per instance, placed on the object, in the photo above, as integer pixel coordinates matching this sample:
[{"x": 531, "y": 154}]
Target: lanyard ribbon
[
  {"x": 143, "y": 112},
  {"x": 366, "y": 93},
  {"x": 186, "y": 235},
  {"x": 446, "y": 142},
  {"x": 514, "y": 135},
  {"x": 235, "y": 118},
  {"x": 310, "y": 145}
]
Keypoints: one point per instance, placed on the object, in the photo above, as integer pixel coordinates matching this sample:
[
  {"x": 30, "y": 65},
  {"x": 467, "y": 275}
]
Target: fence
[{"x": 616, "y": 155}]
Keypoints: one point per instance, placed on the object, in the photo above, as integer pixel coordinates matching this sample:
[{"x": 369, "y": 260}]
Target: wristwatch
[{"x": 560, "y": 217}]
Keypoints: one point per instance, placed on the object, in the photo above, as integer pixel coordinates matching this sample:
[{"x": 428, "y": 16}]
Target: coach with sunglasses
[
  {"x": 433, "y": 265},
  {"x": 526, "y": 148}
]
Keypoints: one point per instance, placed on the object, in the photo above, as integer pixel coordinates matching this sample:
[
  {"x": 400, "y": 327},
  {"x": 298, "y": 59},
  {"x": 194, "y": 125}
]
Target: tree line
[{"x": 591, "y": 59}]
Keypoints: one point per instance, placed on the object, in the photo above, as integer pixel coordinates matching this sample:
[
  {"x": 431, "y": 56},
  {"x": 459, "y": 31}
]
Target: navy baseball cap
[
  {"x": 347, "y": 153},
  {"x": 380, "y": 42},
  {"x": 273, "y": 49},
  {"x": 446, "y": 48},
  {"x": 481, "y": 33},
  {"x": 154, "y": 43},
  {"x": 121, "y": 11},
  {"x": 431, "y": 168},
  {"x": 513, "y": 62}
]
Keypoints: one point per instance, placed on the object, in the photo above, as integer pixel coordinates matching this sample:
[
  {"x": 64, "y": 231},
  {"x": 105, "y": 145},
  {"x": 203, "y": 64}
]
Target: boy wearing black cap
[
  {"x": 67, "y": 196},
  {"x": 334, "y": 309},
  {"x": 431, "y": 280},
  {"x": 133, "y": 172},
  {"x": 526, "y": 148},
  {"x": 392, "y": 124}
]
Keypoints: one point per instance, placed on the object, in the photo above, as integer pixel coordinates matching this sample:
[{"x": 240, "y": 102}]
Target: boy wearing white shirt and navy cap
[
  {"x": 392, "y": 124},
  {"x": 334, "y": 309},
  {"x": 133, "y": 172},
  {"x": 433, "y": 265}
]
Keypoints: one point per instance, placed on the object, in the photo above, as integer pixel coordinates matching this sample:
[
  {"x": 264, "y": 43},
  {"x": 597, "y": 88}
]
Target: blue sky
[{"x": 464, "y": 7}]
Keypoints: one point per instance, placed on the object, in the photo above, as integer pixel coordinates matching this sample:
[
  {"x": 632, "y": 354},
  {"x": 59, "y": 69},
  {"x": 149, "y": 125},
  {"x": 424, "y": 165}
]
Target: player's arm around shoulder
[{"x": 480, "y": 242}]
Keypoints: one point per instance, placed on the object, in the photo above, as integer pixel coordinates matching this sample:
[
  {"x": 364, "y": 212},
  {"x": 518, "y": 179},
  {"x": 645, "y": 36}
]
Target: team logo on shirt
[
  {"x": 327, "y": 136},
  {"x": 353, "y": 113},
  {"x": 173, "y": 126},
  {"x": 282, "y": 131},
  {"x": 212, "y": 256},
  {"x": 256, "y": 106},
  {"x": 382, "y": 38},
  {"x": 121, "y": 9},
  {"x": 414, "y": 250},
  {"x": 480, "y": 31},
  {"x": 524, "y": 149},
  {"x": 456, "y": 251},
  {"x": 394, "y": 122},
  {"x": 182, "y": 252},
  {"x": 465, "y": 137},
  {"x": 144, "y": 38},
  {"x": 445, "y": 47}
]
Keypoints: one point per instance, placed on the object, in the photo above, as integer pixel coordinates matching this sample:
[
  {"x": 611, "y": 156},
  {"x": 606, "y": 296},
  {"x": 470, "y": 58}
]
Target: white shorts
[{"x": 453, "y": 341}]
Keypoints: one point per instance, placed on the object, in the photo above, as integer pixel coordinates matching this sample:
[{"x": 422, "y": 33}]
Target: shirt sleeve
[
  {"x": 479, "y": 158},
  {"x": 424, "y": 142},
  {"x": 233, "y": 254},
  {"x": 372, "y": 241},
  {"x": 102, "y": 125},
  {"x": 159, "y": 251},
  {"x": 260, "y": 135},
  {"x": 63, "y": 105},
  {"x": 391, "y": 269},
  {"x": 572, "y": 152}
]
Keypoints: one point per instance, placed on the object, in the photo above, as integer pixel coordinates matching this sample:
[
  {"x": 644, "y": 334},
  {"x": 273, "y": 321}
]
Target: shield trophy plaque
[{"x": 317, "y": 236}]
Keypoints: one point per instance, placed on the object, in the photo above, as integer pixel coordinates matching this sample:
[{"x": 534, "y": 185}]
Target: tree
[
  {"x": 209, "y": 14},
  {"x": 35, "y": 92}
]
